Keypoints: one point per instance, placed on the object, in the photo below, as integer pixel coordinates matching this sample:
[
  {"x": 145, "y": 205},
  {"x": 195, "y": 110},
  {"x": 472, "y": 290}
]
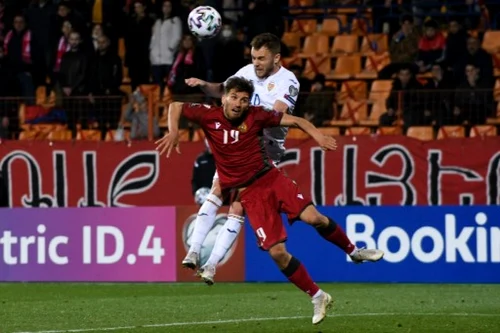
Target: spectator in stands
[
  {"x": 65, "y": 13},
  {"x": 17, "y": 49},
  {"x": 318, "y": 107},
  {"x": 137, "y": 40},
  {"x": 456, "y": 43},
  {"x": 229, "y": 54},
  {"x": 431, "y": 47},
  {"x": 105, "y": 80},
  {"x": 97, "y": 32},
  {"x": 73, "y": 82},
  {"x": 478, "y": 57},
  {"x": 305, "y": 83},
  {"x": 421, "y": 8},
  {"x": 403, "y": 48},
  {"x": 189, "y": 62},
  {"x": 203, "y": 170},
  {"x": 40, "y": 16},
  {"x": 438, "y": 95},
  {"x": 63, "y": 46},
  {"x": 137, "y": 114},
  {"x": 167, "y": 34},
  {"x": 473, "y": 98},
  {"x": 405, "y": 92}
]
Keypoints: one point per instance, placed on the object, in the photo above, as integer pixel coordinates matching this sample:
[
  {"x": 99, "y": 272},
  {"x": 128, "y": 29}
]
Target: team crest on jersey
[
  {"x": 270, "y": 86},
  {"x": 243, "y": 128}
]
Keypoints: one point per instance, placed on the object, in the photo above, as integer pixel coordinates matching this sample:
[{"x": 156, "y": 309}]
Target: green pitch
[{"x": 274, "y": 308}]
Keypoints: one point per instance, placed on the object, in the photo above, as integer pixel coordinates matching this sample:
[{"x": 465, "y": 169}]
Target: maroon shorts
[{"x": 264, "y": 201}]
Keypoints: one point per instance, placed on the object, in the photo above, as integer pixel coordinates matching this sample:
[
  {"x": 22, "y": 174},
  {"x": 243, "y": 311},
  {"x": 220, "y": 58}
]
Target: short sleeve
[
  {"x": 194, "y": 111},
  {"x": 267, "y": 118},
  {"x": 287, "y": 92}
]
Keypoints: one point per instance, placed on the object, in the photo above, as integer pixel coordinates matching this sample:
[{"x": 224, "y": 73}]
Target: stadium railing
[{"x": 352, "y": 107}]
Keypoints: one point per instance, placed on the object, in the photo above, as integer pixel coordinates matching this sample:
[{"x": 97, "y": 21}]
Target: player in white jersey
[{"x": 276, "y": 88}]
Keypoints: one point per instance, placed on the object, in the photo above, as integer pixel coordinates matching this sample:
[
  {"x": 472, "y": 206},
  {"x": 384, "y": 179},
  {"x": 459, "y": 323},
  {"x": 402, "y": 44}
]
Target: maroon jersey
[{"x": 238, "y": 147}]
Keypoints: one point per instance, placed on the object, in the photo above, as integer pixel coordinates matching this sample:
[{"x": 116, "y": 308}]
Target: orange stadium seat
[
  {"x": 292, "y": 40},
  {"x": 482, "y": 131},
  {"x": 88, "y": 135},
  {"x": 424, "y": 133},
  {"x": 373, "y": 64},
  {"x": 295, "y": 133},
  {"x": 317, "y": 65},
  {"x": 352, "y": 89},
  {"x": 33, "y": 135},
  {"x": 333, "y": 26},
  {"x": 304, "y": 27},
  {"x": 346, "y": 67},
  {"x": 60, "y": 135},
  {"x": 332, "y": 131},
  {"x": 184, "y": 135},
  {"x": 389, "y": 130},
  {"x": 357, "y": 131},
  {"x": 315, "y": 45},
  {"x": 198, "y": 135},
  {"x": 345, "y": 44},
  {"x": 352, "y": 112},
  {"x": 445, "y": 132},
  {"x": 374, "y": 43},
  {"x": 491, "y": 41},
  {"x": 380, "y": 91}
]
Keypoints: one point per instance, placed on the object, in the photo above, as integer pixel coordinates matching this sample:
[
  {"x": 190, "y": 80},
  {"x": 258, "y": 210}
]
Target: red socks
[
  {"x": 298, "y": 275},
  {"x": 334, "y": 234}
]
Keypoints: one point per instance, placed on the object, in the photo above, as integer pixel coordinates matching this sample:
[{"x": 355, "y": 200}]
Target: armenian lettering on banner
[{"x": 365, "y": 170}]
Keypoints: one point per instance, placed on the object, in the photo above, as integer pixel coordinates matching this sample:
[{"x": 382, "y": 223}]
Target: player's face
[
  {"x": 264, "y": 61},
  {"x": 235, "y": 104}
]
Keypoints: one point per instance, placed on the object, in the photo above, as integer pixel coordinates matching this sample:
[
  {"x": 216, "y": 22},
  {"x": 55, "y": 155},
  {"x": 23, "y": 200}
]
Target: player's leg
[
  {"x": 297, "y": 274},
  {"x": 225, "y": 239},
  {"x": 299, "y": 206},
  {"x": 261, "y": 206},
  {"x": 203, "y": 224},
  {"x": 332, "y": 232}
]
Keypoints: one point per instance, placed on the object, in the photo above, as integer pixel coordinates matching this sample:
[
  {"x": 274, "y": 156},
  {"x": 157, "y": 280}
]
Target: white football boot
[
  {"x": 363, "y": 254},
  {"x": 321, "y": 303},
  {"x": 191, "y": 260},
  {"x": 207, "y": 273}
]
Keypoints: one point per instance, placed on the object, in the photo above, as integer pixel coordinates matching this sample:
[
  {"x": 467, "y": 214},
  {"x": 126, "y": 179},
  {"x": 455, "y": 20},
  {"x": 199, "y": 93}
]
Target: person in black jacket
[{"x": 203, "y": 174}]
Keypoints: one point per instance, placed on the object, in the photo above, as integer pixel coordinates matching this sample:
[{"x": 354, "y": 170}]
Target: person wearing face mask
[{"x": 229, "y": 54}]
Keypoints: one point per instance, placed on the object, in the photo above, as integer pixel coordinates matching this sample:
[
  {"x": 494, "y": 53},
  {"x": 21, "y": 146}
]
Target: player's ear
[
  {"x": 277, "y": 58},
  {"x": 223, "y": 99}
]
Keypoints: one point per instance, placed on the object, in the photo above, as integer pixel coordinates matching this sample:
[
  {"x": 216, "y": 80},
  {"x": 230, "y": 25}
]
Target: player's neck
[{"x": 275, "y": 70}]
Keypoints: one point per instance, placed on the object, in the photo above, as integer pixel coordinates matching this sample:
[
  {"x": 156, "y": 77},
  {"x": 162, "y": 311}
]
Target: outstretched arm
[
  {"x": 326, "y": 142},
  {"x": 209, "y": 88},
  {"x": 174, "y": 115},
  {"x": 171, "y": 139}
]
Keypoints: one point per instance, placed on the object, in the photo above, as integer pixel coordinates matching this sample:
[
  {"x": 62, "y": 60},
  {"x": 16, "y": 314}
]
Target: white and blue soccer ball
[
  {"x": 204, "y": 22},
  {"x": 201, "y": 195}
]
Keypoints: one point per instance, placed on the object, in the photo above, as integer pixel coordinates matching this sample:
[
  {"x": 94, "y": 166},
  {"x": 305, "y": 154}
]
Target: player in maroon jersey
[{"x": 234, "y": 133}]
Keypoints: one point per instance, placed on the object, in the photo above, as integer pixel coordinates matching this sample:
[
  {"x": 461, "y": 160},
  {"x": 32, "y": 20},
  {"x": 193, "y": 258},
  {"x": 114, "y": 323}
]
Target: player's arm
[
  {"x": 280, "y": 106},
  {"x": 326, "y": 142},
  {"x": 209, "y": 88}
]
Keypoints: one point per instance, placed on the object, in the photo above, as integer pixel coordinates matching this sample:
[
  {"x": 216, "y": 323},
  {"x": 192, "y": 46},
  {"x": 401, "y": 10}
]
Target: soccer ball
[
  {"x": 201, "y": 195},
  {"x": 204, "y": 22}
]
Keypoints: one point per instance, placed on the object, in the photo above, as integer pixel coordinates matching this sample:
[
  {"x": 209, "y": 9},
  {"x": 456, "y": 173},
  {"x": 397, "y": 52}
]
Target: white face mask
[{"x": 226, "y": 33}]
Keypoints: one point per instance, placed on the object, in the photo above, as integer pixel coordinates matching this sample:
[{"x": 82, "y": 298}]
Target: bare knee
[
  {"x": 311, "y": 216},
  {"x": 236, "y": 209},
  {"x": 280, "y": 255},
  {"x": 216, "y": 190}
]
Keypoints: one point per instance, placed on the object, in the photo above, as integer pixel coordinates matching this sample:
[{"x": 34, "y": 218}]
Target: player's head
[
  {"x": 265, "y": 52},
  {"x": 236, "y": 98}
]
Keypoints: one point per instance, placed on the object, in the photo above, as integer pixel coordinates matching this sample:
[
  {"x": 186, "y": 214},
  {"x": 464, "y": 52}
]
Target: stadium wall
[{"x": 447, "y": 244}]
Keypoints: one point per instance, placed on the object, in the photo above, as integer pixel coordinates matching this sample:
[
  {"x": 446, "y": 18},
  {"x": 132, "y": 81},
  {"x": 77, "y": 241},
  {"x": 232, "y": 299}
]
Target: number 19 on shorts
[{"x": 261, "y": 235}]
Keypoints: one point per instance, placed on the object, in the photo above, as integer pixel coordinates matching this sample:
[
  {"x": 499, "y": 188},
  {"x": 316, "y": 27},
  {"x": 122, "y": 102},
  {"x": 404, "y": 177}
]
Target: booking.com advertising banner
[{"x": 421, "y": 244}]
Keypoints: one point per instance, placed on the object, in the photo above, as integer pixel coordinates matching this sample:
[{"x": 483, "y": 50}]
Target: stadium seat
[
  {"x": 491, "y": 41},
  {"x": 292, "y": 40},
  {"x": 352, "y": 89},
  {"x": 374, "y": 43},
  {"x": 346, "y": 67},
  {"x": 352, "y": 112},
  {"x": 33, "y": 135},
  {"x": 482, "y": 131},
  {"x": 60, "y": 135},
  {"x": 378, "y": 108},
  {"x": 380, "y": 91},
  {"x": 110, "y": 135},
  {"x": 198, "y": 135},
  {"x": 445, "y": 132},
  {"x": 389, "y": 130},
  {"x": 373, "y": 64},
  {"x": 359, "y": 26},
  {"x": 333, "y": 26},
  {"x": 298, "y": 134},
  {"x": 88, "y": 135},
  {"x": 332, "y": 131},
  {"x": 304, "y": 27},
  {"x": 350, "y": 131},
  {"x": 344, "y": 44},
  {"x": 316, "y": 65},
  {"x": 184, "y": 135},
  {"x": 424, "y": 133},
  {"x": 315, "y": 45}
]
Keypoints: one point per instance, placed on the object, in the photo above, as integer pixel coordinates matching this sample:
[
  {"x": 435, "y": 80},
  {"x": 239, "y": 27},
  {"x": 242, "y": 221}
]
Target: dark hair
[
  {"x": 267, "y": 40},
  {"x": 406, "y": 17},
  {"x": 240, "y": 84}
]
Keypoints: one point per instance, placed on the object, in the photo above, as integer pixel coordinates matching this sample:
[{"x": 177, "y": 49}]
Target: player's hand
[
  {"x": 328, "y": 143},
  {"x": 194, "y": 82},
  {"x": 169, "y": 141}
]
